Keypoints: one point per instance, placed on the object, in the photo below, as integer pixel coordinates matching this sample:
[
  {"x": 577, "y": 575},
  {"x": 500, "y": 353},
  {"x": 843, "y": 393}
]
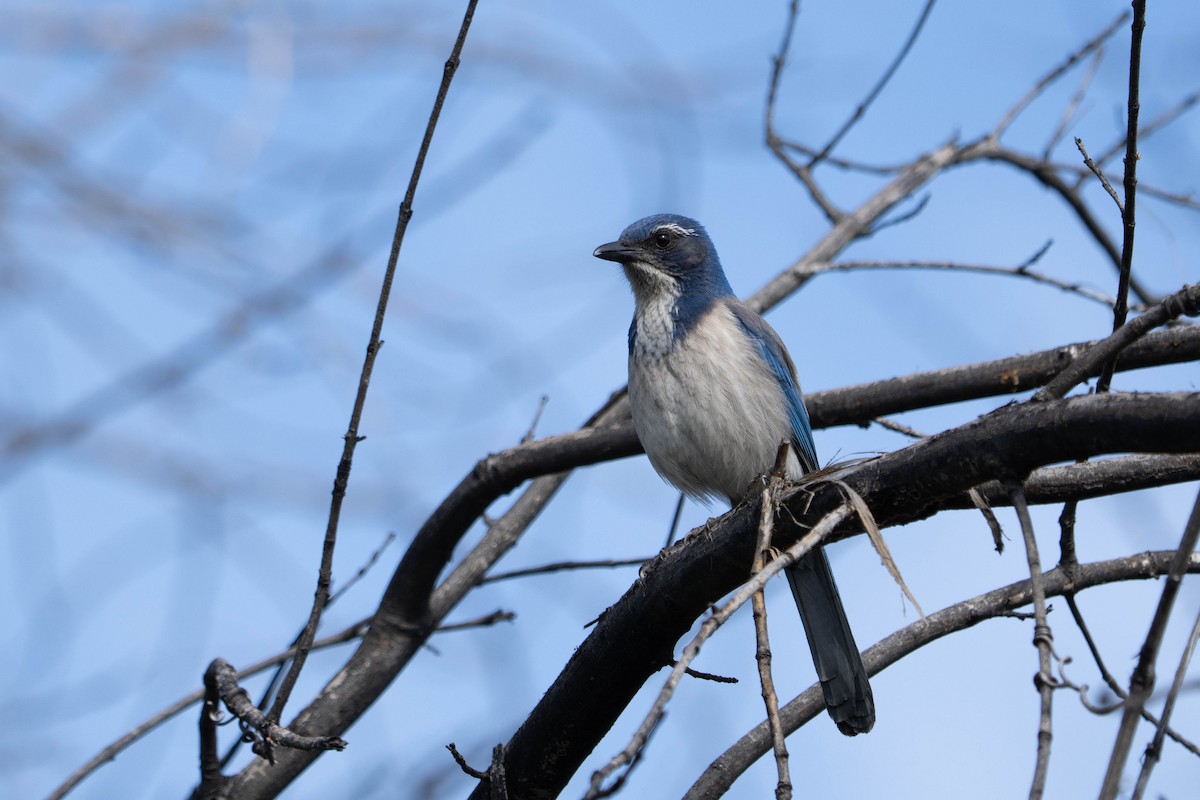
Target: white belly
[{"x": 709, "y": 413}]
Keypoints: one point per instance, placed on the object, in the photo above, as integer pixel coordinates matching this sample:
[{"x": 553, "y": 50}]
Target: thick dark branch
[
  {"x": 405, "y": 614},
  {"x": 1092, "y": 479},
  {"x": 636, "y": 636},
  {"x": 725, "y": 769},
  {"x": 858, "y": 404}
]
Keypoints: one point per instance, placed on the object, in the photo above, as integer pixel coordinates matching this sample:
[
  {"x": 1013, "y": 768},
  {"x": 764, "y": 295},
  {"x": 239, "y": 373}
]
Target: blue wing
[{"x": 776, "y": 355}]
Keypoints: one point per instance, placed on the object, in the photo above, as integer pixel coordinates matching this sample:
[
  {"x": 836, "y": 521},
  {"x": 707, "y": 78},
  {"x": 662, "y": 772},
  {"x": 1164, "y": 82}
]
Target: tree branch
[
  {"x": 1128, "y": 215},
  {"x": 1184, "y": 302},
  {"x": 1141, "y": 685},
  {"x": 635, "y": 636},
  {"x": 725, "y": 769},
  {"x": 1043, "y": 640}
]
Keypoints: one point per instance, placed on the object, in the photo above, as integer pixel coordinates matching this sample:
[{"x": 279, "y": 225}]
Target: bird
[{"x": 713, "y": 392}]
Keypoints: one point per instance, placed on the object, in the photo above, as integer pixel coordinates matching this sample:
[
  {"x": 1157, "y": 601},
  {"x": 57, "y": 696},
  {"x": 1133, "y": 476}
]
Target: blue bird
[{"x": 713, "y": 392}]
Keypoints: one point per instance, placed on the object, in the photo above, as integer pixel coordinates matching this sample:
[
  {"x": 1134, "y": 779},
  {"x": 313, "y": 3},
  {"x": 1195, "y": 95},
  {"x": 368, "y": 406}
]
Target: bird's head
[{"x": 668, "y": 255}]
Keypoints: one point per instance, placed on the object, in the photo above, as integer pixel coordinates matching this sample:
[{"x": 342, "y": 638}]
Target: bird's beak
[{"x": 615, "y": 251}]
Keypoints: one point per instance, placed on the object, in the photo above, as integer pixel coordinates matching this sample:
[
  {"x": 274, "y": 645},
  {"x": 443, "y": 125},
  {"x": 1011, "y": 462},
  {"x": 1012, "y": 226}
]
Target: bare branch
[
  {"x": 627, "y": 645},
  {"x": 626, "y": 757},
  {"x": 876, "y": 89},
  {"x": 1043, "y": 640},
  {"x": 1053, "y": 75},
  {"x": 537, "y": 416},
  {"x": 777, "y": 146},
  {"x": 898, "y": 427},
  {"x": 1087, "y": 480},
  {"x": 222, "y": 678},
  {"x": 110, "y": 752},
  {"x": 1154, "y": 125},
  {"x": 463, "y": 765},
  {"x": 1091, "y": 165},
  {"x": 1076, "y": 99},
  {"x": 854, "y": 405},
  {"x": 562, "y": 566},
  {"x": 848, "y": 228},
  {"x": 1141, "y": 685},
  {"x": 1128, "y": 210},
  {"x": 762, "y": 653},
  {"x": 1021, "y": 271},
  {"x": 727, "y": 767},
  {"x": 352, "y": 438},
  {"x": 485, "y": 621},
  {"x": 1184, "y": 302},
  {"x": 1111, "y": 682},
  {"x": 1154, "y": 749}
]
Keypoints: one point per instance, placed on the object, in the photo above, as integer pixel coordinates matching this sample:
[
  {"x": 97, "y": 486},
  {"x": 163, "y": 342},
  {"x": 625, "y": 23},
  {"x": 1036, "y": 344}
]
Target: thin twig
[
  {"x": 1067, "y": 557},
  {"x": 850, "y": 165},
  {"x": 889, "y": 222},
  {"x": 898, "y": 427},
  {"x": 1020, "y": 271},
  {"x": 774, "y": 142},
  {"x": 762, "y": 652},
  {"x": 463, "y": 765},
  {"x": 674, "y": 529},
  {"x": 1099, "y": 173},
  {"x": 1111, "y": 682},
  {"x": 109, "y": 753},
  {"x": 1076, "y": 100},
  {"x": 708, "y": 676},
  {"x": 1128, "y": 216},
  {"x": 638, "y": 741},
  {"x": 726, "y": 767},
  {"x": 562, "y": 566},
  {"x": 1141, "y": 684},
  {"x": 485, "y": 621},
  {"x": 1043, "y": 639},
  {"x": 1184, "y": 302},
  {"x": 537, "y": 417},
  {"x": 1155, "y": 125},
  {"x": 280, "y": 669},
  {"x": 875, "y": 90},
  {"x": 989, "y": 516},
  {"x": 1154, "y": 749},
  {"x": 352, "y": 437},
  {"x": 1056, "y": 73}
]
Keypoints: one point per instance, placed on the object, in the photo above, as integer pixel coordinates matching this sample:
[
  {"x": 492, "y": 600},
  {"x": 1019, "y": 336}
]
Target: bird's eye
[{"x": 662, "y": 240}]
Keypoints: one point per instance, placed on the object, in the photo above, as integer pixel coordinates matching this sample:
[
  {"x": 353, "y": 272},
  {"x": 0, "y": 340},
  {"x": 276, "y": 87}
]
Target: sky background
[{"x": 197, "y": 205}]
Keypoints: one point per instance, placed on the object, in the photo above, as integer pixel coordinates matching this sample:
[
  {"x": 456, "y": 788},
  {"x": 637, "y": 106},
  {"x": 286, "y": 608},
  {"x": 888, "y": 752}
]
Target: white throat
[{"x": 655, "y": 295}]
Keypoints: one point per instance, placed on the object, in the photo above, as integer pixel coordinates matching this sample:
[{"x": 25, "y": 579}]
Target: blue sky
[{"x": 170, "y": 162}]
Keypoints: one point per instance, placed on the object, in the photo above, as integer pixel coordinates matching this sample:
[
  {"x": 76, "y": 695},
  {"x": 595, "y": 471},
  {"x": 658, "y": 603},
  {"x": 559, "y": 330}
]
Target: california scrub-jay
[{"x": 713, "y": 392}]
